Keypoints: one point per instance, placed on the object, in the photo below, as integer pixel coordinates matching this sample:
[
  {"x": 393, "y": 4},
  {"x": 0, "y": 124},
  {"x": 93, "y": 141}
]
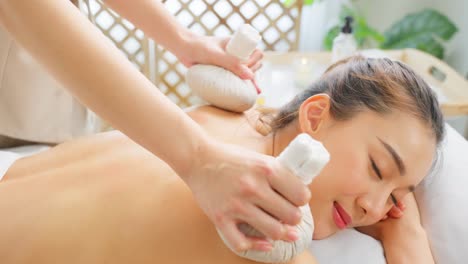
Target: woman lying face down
[{"x": 105, "y": 199}]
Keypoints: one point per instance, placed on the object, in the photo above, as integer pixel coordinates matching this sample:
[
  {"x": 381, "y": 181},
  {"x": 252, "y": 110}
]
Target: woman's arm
[
  {"x": 404, "y": 239},
  {"x": 407, "y": 246}
]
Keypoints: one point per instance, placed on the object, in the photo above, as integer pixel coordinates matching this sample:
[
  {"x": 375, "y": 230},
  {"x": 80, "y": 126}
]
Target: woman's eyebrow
[{"x": 395, "y": 156}]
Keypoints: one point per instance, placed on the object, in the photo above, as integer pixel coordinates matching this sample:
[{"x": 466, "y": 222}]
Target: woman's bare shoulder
[
  {"x": 304, "y": 258},
  {"x": 217, "y": 122},
  {"x": 207, "y": 116},
  {"x": 207, "y": 113}
]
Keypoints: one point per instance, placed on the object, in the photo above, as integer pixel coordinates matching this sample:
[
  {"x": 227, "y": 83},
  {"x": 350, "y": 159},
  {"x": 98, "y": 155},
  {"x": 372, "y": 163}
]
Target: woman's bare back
[{"x": 104, "y": 199}]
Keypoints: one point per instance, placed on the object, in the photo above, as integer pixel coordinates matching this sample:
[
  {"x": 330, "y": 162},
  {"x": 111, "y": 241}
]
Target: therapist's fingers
[
  {"x": 256, "y": 67},
  {"x": 230, "y": 182},
  {"x": 254, "y": 58},
  {"x": 261, "y": 244},
  {"x": 268, "y": 225},
  {"x": 238, "y": 67},
  {"x": 240, "y": 242},
  {"x": 278, "y": 207},
  {"x": 288, "y": 185},
  {"x": 234, "y": 237}
]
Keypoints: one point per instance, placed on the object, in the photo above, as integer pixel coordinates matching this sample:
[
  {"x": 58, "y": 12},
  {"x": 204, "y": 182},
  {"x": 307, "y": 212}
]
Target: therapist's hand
[
  {"x": 212, "y": 50},
  {"x": 234, "y": 185}
]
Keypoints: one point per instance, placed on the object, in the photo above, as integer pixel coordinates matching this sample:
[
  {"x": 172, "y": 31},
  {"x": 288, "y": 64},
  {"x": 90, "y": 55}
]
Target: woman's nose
[{"x": 374, "y": 205}]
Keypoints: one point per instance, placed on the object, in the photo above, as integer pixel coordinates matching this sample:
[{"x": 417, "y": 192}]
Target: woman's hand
[
  {"x": 402, "y": 235},
  {"x": 376, "y": 230},
  {"x": 233, "y": 185},
  {"x": 212, "y": 50}
]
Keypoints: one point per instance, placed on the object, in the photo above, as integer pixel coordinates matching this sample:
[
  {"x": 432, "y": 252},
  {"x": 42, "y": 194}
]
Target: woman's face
[{"x": 375, "y": 161}]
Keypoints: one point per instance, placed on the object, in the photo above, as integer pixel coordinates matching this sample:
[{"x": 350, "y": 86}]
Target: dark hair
[{"x": 381, "y": 85}]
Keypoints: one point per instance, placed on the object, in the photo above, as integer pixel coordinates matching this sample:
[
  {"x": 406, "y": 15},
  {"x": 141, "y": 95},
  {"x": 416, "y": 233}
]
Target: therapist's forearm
[
  {"x": 96, "y": 72},
  {"x": 157, "y": 23}
]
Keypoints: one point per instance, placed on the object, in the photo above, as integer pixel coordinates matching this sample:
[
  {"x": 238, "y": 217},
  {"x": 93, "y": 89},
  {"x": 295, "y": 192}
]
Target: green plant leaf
[
  {"x": 423, "y": 30},
  {"x": 365, "y": 34},
  {"x": 331, "y": 35},
  {"x": 288, "y": 3}
]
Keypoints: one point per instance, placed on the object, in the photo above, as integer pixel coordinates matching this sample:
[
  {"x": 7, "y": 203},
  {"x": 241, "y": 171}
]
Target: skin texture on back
[{"x": 104, "y": 199}]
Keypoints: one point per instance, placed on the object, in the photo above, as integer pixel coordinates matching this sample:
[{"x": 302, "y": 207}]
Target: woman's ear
[{"x": 314, "y": 112}]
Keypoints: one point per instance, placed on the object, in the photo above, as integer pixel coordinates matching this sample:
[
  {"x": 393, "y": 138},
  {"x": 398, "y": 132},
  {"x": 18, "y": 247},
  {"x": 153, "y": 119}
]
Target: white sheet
[
  {"x": 350, "y": 247},
  {"x": 10, "y": 155},
  {"x": 6, "y": 159}
]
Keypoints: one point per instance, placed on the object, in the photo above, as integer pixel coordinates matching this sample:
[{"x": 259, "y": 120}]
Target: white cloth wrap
[
  {"x": 243, "y": 42},
  {"x": 221, "y": 87},
  {"x": 305, "y": 157}
]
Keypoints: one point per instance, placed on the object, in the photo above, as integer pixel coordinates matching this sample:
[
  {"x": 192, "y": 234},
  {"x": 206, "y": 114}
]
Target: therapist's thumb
[{"x": 234, "y": 64}]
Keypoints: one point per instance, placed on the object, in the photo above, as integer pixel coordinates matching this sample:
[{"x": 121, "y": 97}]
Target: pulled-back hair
[{"x": 380, "y": 85}]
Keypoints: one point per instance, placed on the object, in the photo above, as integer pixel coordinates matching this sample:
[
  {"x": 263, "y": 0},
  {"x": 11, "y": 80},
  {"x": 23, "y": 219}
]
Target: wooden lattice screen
[{"x": 278, "y": 25}]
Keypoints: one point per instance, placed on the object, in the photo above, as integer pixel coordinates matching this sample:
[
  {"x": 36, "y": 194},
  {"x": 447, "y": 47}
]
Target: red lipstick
[{"x": 340, "y": 216}]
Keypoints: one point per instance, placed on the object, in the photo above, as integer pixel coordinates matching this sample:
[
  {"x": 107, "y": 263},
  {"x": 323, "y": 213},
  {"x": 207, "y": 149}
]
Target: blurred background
[
  {"x": 321, "y": 15},
  {"x": 439, "y": 28}
]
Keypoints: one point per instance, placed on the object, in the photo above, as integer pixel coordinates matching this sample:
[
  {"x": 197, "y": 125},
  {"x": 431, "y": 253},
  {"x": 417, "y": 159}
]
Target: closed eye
[
  {"x": 377, "y": 172},
  {"x": 394, "y": 200},
  {"x": 376, "y": 169}
]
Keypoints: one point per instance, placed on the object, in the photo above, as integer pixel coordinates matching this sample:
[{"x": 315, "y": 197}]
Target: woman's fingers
[
  {"x": 401, "y": 205},
  {"x": 395, "y": 212}
]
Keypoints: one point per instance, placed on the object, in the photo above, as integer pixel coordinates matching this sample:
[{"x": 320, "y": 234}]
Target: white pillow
[
  {"x": 348, "y": 247},
  {"x": 443, "y": 204}
]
